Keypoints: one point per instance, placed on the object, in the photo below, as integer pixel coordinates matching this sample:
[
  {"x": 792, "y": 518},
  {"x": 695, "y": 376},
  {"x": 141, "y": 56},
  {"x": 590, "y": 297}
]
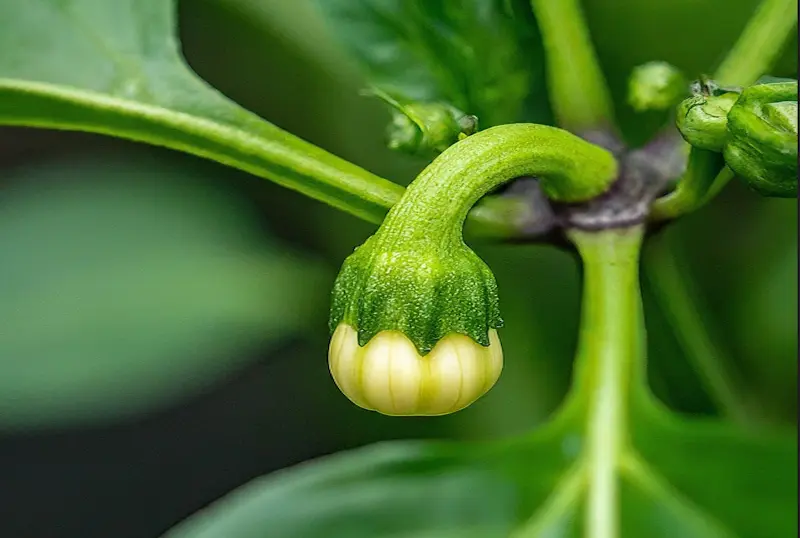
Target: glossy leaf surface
[
  {"x": 114, "y": 67},
  {"x": 683, "y": 478},
  {"x": 483, "y": 57}
]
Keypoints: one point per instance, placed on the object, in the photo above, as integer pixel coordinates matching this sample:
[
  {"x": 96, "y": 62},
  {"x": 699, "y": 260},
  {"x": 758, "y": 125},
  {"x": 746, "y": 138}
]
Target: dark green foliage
[
  {"x": 483, "y": 57},
  {"x": 684, "y": 478}
]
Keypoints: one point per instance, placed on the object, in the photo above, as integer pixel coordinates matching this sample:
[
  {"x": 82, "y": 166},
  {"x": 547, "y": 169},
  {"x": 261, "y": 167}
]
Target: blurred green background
[{"x": 163, "y": 325}]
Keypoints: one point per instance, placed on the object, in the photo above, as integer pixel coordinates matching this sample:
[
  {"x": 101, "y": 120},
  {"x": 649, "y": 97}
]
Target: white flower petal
[{"x": 389, "y": 376}]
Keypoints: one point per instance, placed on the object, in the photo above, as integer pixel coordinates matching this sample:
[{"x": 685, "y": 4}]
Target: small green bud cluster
[
  {"x": 755, "y": 129},
  {"x": 762, "y": 144}
]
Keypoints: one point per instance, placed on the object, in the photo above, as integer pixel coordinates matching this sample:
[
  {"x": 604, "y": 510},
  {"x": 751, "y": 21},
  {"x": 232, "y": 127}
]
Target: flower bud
[
  {"x": 414, "y": 310},
  {"x": 414, "y": 326},
  {"x": 703, "y": 119},
  {"x": 388, "y": 374},
  {"x": 656, "y": 86},
  {"x": 762, "y": 138}
]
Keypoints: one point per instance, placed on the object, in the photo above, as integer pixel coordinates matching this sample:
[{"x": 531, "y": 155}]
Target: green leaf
[
  {"x": 612, "y": 463},
  {"x": 398, "y": 490},
  {"x": 129, "y": 284},
  {"x": 483, "y": 57},
  {"x": 766, "y": 326},
  {"x": 733, "y": 484},
  {"x": 114, "y": 67},
  {"x": 684, "y": 478},
  {"x": 692, "y": 324}
]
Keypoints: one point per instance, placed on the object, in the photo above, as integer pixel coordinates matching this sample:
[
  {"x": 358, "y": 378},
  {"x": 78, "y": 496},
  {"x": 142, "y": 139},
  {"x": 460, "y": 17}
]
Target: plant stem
[
  {"x": 673, "y": 289},
  {"x": 608, "y": 352},
  {"x": 436, "y": 203},
  {"x": 759, "y": 44},
  {"x": 699, "y": 184},
  {"x": 578, "y": 91},
  {"x": 245, "y": 142}
]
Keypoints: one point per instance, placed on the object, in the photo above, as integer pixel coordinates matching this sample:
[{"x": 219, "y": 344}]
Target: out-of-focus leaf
[
  {"x": 748, "y": 286},
  {"x": 126, "y": 286},
  {"x": 770, "y": 316},
  {"x": 395, "y": 489},
  {"x": 114, "y": 67},
  {"x": 482, "y": 56},
  {"x": 693, "y": 326},
  {"x": 712, "y": 477},
  {"x": 767, "y": 331},
  {"x": 682, "y": 478}
]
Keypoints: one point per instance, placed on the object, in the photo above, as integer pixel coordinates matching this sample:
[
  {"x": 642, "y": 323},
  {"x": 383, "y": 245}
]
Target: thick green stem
[
  {"x": 609, "y": 352},
  {"x": 578, "y": 91},
  {"x": 436, "y": 203},
  {"x": 759, "y": 44}
]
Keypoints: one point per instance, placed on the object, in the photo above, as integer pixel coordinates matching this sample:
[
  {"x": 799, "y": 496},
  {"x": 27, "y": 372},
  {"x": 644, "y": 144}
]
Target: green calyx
[
  {"x": 762, "y": 139},
  {"x": 416, "y": 275},
  {"x": 656, "y": 86},
  {"x": 425, "y": 293}
]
